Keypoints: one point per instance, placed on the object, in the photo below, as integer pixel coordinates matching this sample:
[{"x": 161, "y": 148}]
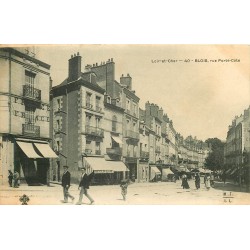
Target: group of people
[
  {"x": 84, "y": 186},
  {"x": 208, "y": 181},
  {"x": 13, "y": 179}
]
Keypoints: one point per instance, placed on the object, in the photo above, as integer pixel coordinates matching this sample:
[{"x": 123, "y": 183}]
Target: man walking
[
  {"x": 66, "y": 185},
  {"x": 84, "y": 186}
]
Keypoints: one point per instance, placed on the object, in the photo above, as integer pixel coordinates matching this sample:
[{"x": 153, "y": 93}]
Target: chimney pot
[
  {"x": 111, "y": 59},
  {"x": 78, "y": 54},
  {"x": 127, "y": 74},
  {"x": 74, "y": 54},
  {"x": 71, "y": 56},
  {"x": 122, "y": 75}
]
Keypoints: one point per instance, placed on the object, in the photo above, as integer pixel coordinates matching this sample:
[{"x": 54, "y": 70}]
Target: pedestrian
[
  {"x": 212, "y": 180},
  {"x": 84, "y": 186},
  {"x": 207, "y": 182},
  {"x": 16, "y": 179},
  {"x": 66, "y": 185},
  {"x": 10, "y": 178},
  {"x": 184, "y": 182},
  {"x": 124, "y": 188},
  {"x": 197, "y": 180}
]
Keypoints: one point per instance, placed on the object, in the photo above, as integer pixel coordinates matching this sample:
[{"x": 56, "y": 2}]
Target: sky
[{"x": 201, "y": 98}]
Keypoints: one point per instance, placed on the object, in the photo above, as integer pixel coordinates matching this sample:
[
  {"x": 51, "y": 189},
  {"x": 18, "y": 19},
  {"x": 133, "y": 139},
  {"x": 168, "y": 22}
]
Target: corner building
[{"x": 25, "y": 116}]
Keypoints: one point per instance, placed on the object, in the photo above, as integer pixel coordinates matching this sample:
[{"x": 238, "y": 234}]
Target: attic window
[{"x": 108, "y": 99}]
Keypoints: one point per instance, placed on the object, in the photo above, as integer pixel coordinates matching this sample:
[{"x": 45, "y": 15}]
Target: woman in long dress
[
  {"x": 207, "y": 182},
  {"x": 184, "y": 182}
]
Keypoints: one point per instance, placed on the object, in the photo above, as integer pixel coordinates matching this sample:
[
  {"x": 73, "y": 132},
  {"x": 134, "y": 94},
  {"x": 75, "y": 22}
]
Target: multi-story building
[
  {"x": 78, "y": 120},
  {"x": 237, "y": 147},
  {"x": 173, "y": 149},
  {"x": 25, "y": 116},
  {"x": 144, "y": 130},
  {"x": 130, "y": 103},
  {"x": 113, "y": 133}
]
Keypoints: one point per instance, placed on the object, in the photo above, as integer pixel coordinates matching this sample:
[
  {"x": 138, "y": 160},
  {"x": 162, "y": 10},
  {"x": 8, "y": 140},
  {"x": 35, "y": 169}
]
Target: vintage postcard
[{"x": 124, "y": 124}]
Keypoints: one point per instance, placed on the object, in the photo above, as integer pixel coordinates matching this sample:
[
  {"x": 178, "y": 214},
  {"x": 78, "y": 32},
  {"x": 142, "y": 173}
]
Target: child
[{"x": 124, "y": 188}]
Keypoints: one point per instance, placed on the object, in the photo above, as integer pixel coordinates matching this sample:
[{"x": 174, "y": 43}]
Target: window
[
  {"x": 114, "y": 122},
  {"x": 29, "y": 115},
  {"x": 97, "y": 122},
  {"x": 29, "y": 78},
  {"x": 88, "y": 100},
  {"x": 128, "y": 104},
  {"x": 98, "y": 103},
  {"x": 58, "y": 146},
  {"x": 88, "y": 120},
  {"x": 58, "y": 125},
  {"x": 128, "y": 149},
  {"x": 128, "y": 124},
  {"x": 97, "y": 148},
  {"x": 108, "y": 99},
  {"x": 134, "y": 109},
  {"x": 134, "y": 126},
  {"x": 58, "y": 104},
  {"x": 88, "y": 148}
]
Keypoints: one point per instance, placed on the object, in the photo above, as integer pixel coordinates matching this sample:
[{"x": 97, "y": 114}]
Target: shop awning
[
  {"x": 98, "y": 164},
  {"x": 117, "y": 166},
  {"x": 233, "y": 171},
  {"x": 117, "y": 139},
  {"x": 166, "y": 171},
  {"x": 154, "y": 171},
  {"x": 45, "y": 150},
  {"x": 28, "y": 149}
]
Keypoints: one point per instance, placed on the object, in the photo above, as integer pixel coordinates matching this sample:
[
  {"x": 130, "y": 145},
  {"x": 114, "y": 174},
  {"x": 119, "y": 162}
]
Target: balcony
[
  {"x": 32, "y": 93},
  {"x": 98, "y": 109},
  {"x": 144, "y": 154},
  {"x": 31, "y": 130},
  {"x": 89, "y": 130},
  {"x": 131, "y": 134},
  {"x": 114, "y": 151},
  {"x": 98, "y": 152},
  {"x": 157, "y": 149},
  {"x": 89, "y": 106},
  {"x": 88, "y": 151}
]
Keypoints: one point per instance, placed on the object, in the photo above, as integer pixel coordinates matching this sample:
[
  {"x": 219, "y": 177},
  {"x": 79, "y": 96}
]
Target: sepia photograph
[{"x": 112, "y": 124}]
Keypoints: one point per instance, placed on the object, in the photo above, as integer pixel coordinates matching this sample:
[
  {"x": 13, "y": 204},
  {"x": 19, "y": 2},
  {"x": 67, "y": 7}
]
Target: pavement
[{"x": 159, "y": 193}]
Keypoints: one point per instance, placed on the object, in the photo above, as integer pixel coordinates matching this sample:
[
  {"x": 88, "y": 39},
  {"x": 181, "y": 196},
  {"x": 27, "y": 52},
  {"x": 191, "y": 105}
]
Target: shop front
[
  {"x": 155, "y": 174},
  {"x": 32, "y": 161},
  {"x": 105, "y": 172}
]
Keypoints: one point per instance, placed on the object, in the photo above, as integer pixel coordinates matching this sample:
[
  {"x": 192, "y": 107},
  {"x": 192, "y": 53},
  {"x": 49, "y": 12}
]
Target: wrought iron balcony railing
[
  {"x": 89, "y": 130},
  {"x": 131, "y": 134},
  {"x": 31, "y": 130},
  {"x": 31, "y": 92},
  {"x": 144, "y": 154},
  {"x": 114, "y": 151}
]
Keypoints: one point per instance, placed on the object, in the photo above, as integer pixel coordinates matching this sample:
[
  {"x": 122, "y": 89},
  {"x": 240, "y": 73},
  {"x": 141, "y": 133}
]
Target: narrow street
[{"x": 161, "y": 193}]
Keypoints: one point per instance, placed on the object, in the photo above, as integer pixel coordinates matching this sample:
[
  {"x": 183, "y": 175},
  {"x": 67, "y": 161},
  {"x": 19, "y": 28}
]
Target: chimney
[
  {"x": 74, "y": 67},
  {"x": 160, "y": 114},
  {"x": 127, "y": 81}
]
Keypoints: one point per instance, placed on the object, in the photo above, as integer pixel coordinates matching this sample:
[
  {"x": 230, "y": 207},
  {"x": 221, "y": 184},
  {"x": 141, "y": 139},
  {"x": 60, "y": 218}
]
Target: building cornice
[{"x": 27, "y": 57}]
